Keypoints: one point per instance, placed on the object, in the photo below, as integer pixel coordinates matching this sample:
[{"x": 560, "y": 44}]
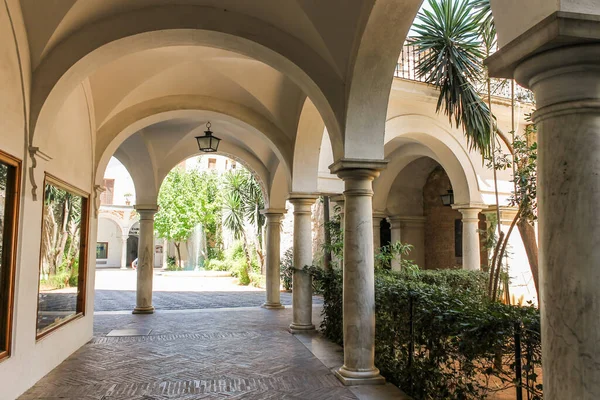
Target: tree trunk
[
  {"x": 177, "y": 246},
  {"x": 327, "y": 234},
  {"x": 501, "y": 254},
  {"x": 64, "y": 235},
  {"x": 247, "y": 254},
  {"x": 527, "y": 232}
]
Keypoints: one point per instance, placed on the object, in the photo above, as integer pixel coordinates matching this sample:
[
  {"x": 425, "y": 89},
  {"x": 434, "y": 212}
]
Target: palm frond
[{"x": 452, "y": 51}]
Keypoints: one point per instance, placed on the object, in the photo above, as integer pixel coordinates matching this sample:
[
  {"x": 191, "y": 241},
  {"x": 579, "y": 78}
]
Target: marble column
[
  {"x": 301, "y": 281},
  {"x": 378, "y": 216},
  {"x": 471, "y": 251},
  {"x": 566, "y": 83},
  {"x": 559, "y": 60},
  {"x": 145, "y": 269},
  {"x": 395, "y": 224},
  {"x": 124, "y": 238},
  {"x": 273, "y": 253},
  {"x": 359, "y": 275}
]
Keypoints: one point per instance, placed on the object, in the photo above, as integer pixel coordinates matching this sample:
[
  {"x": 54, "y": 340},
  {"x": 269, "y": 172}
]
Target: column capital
[
  {"x": 303, "y": 198},
  {"x": 274, "y": 212},
  {"x": 469, "y": 207},
  {"x": 352, "y": 168},
  {"x": 146, "y": 211},
  {"x": 560, "y": 29},
  {"x": 379, "y": 215}
]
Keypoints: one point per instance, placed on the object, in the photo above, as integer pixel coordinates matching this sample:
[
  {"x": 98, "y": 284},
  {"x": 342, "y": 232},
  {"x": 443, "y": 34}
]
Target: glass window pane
[
  {"x": 101, "y": 250},
  {"x": 3, "y": 275},
  {"x": 62, "y": 233},
  {"x": 8, "y": 204}
]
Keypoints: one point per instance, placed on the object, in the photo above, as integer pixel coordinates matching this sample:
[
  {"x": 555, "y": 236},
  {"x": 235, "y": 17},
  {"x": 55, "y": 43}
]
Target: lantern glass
[
  {"x": 208, "y": 143},
  {"x": 448, "y": 198}
]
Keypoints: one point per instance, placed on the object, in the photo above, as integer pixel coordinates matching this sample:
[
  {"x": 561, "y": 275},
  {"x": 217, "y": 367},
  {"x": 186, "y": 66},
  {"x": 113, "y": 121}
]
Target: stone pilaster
[
  {"x": 124, "y": 238},
  {"x": 378, "y": 216},
  {"x": 359, "y": 275},
  {"x": 273, "y": 241},
  {"x": 301, "y": 281},
  {"x": 145, "y": 268},
  {"x": 471, "y": 251},
  {"x": 413, "y": 233},
  {"x": 396, "y": 236},
  {"x": 560, "y": 62}
]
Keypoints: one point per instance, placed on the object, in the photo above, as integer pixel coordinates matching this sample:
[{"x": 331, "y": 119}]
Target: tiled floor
[
  {"x": 244, "y": 353},
  {"x": 115, "y": 300}
]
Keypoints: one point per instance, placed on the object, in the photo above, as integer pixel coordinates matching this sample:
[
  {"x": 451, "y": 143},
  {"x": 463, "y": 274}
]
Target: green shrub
[
  {"x": 287, "y": 268},
  {"x": 217, "y": 265},
  {"x": 460, "y": 338}
]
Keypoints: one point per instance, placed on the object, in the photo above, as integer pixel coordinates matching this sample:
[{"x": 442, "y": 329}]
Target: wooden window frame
[
  {"x": 10, "y": 252},
  {"x": 83, "y": 255},
  {"x": 105, "y": 258}
]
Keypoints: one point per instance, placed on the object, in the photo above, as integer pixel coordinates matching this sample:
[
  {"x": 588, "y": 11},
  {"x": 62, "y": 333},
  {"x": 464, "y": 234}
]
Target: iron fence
[{"x": 411, "y": 56}]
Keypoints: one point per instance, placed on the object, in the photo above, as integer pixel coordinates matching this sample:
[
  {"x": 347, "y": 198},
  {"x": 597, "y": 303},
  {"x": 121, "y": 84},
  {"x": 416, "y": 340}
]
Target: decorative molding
[
  {"x": 33, "y": 153},
  {"x": 98, "y": 190}
]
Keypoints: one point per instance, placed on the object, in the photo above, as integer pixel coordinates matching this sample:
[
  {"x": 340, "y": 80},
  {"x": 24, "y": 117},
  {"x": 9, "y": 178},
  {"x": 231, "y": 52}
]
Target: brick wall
[{"x": 439, "y": 223}]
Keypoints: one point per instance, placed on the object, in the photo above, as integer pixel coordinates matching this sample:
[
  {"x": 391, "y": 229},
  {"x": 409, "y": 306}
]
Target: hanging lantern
[
  {"x": 448, "y": 198},
  {"x": 208, "y": 143}
]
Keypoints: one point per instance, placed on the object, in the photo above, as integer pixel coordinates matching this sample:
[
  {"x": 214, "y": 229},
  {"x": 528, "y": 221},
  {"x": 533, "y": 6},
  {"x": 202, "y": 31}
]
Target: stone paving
[
  {"x": 208, "y": 340},
  {"x": 244, "y": 353},
  {"x": 116, "y": 300}
]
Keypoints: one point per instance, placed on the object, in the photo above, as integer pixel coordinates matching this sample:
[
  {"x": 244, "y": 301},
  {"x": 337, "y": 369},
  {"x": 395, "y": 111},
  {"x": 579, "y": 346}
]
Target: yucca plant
[{"x": 452, "y": 51}]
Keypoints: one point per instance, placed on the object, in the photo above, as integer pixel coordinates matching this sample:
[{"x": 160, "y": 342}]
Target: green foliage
[
  {"x": 463, "y": 344},
  {"x": 186, "y": 199},
  {"x": 388, "y": 253},
  {"x": 525, "y": 178},
  {"x": 286, "y": 268},
  {"x": 449, "y": 39}
]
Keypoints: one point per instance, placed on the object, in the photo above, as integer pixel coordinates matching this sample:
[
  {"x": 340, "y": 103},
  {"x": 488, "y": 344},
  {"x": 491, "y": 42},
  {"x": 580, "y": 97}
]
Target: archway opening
[{"x": 415, "y": 208}]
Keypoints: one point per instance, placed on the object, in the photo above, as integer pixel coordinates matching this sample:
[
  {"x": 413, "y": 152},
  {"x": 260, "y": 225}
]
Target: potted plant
[{"x": 127, "y": 197}]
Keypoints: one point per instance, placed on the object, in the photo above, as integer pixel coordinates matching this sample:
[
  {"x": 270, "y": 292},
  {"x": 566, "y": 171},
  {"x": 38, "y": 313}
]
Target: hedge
[{"x": 461, "y": 345}]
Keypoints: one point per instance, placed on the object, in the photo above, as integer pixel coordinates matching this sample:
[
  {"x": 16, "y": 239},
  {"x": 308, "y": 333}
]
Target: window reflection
[
  {"x": 62, "y": 256},
  {"x": 9, "y": 170}
]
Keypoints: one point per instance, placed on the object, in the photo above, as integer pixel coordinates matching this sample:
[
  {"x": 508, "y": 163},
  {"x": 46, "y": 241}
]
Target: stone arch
[
  {"x": 124, "y": 229},
  {"x": 241, "y": 156},
  {"x": 371, "y": 76},
  {"x": 437, "y": 143},
  {"x": 115, "y": 131},
  {"x": 307, "y": 149},
  {"x": 280, "y": 188},
  {"x": 105, "y": 40}
]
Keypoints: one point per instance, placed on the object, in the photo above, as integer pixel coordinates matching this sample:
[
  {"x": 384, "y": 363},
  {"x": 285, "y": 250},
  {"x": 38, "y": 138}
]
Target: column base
[
  {"x": 143, "y": 310},
  {"x": 296, "y": 328},
  {"x": 273, "y": 306},
  {"x": 356, "y": 378},
  {"x": 123, "y": 268}
]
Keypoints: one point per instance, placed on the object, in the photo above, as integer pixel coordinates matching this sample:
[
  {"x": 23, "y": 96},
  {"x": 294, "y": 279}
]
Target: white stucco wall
[
  {"x": 69, "y": 145},
  {"x": 110, "y": 232}
]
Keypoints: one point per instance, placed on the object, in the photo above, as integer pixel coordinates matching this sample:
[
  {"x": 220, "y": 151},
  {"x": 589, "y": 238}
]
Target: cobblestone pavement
[
  {"x": 204, "y": 354},
  {"x": 115, "y": 291},
  {"x": 116, "y": 300}
]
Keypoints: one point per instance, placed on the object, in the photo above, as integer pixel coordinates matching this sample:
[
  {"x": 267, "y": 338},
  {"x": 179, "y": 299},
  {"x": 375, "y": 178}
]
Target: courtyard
[{"x": 208, "y": 339}]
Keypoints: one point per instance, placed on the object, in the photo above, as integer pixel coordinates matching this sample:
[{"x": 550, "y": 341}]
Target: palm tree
[
  {"x": 242, "y": 202},
  {"x": 453, "y": 39},
  {"x": 453, "y": 42}
]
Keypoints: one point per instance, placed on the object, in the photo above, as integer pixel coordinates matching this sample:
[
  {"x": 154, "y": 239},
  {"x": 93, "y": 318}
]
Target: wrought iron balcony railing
[{"x": 411, "y": 57}]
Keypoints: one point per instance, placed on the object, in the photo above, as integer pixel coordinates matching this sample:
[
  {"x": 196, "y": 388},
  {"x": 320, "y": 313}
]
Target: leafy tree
[
  {"x": 524, "y": 196},
  {"x": 242, "y": 202},
  {"x": 180, "y": 207}
]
